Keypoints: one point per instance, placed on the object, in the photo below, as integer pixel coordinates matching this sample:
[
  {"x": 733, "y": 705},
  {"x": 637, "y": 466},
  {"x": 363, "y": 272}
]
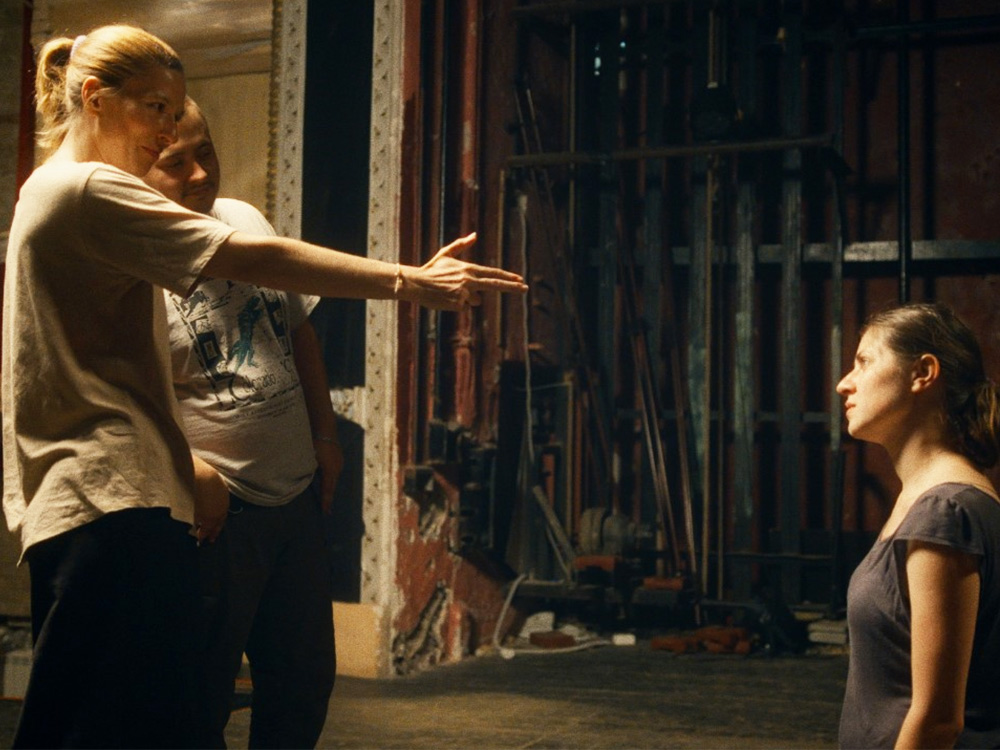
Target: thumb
[{"x": 454, "y": 248}]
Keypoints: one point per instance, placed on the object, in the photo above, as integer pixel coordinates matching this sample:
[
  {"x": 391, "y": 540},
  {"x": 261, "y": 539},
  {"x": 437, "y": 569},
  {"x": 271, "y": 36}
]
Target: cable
[
  {"x": 503, "y": 614},
  {"x": 509, "y": 653}
]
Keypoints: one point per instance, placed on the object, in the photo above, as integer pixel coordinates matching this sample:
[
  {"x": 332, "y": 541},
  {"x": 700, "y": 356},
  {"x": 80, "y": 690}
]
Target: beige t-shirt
[{"x": 89, "y": 418}]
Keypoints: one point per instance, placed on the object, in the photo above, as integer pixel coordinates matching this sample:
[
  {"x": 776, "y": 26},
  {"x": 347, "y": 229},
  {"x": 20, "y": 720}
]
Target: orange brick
[
  {"x": 675, "y": 583},
  {"x": 552, "y": 639},
  {"x": 724, "y": 636},
  {"x": 677, "y": 644}
]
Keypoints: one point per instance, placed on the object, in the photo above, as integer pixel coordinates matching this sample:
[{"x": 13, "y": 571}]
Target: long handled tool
[
  {"x": 566, "y": 286},
  {"x": 680, "y": 392},
  {"x": 649, "y": 408}
]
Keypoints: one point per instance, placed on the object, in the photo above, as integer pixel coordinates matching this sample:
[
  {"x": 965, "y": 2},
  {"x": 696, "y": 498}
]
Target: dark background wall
[
  {"x": 701, "y": 259},
  {"x": 336, "y": 135}
]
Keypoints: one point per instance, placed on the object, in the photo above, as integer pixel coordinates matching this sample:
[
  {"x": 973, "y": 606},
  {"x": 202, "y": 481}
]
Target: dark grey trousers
[{"x": 266, "y": 590}]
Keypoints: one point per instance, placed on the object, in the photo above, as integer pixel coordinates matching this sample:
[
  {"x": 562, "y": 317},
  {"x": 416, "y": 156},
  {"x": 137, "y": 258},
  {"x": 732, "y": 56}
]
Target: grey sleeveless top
[{"x": 878, "y": 615}]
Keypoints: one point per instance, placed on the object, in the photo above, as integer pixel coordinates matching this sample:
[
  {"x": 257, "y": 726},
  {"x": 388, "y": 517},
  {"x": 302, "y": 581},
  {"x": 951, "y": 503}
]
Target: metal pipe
[
  {"x": 706, "y": 414},
  {"x": 903, "y": 152},
  {"x": 576, "y": 7},
  {"x": 432, "y": 388},
  {"x": 837, "y": 176},
  {"x": 790, "y": 449},
  {"x": 464, "y": 340},
  {"x": 905, "y": 28},
  {"x": 557, "y": 158},
  {"x": 500, "y": 330}
]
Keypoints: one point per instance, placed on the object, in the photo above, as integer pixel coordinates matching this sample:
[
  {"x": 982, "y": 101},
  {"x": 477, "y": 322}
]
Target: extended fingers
[{"x": 488, "y": 277}]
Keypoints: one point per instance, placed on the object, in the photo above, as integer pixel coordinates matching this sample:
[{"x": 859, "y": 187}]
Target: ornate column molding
[
  {"x": 288, "y": 66},
  {"x": 381, "y": 492},
  {"x": 374, "y": 405}
]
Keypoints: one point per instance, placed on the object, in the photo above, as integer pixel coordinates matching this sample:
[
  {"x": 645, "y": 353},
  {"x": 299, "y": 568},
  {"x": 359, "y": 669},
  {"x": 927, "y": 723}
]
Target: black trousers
[
  {"x": 118, "y": 635},
  {"x": 266, "y": 583}
]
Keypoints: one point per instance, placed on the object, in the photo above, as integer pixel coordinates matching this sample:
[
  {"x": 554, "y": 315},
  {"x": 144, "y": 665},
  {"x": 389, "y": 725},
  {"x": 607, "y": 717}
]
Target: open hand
[{"x": 446, "y": 282}]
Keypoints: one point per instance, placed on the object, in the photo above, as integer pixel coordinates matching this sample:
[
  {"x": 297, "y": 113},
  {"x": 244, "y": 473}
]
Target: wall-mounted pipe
[{"x": 903, "y": 151}]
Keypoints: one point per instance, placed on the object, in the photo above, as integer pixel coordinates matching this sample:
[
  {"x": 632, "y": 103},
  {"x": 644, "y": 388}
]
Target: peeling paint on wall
[
  {"x": 422, "y": 646},
  {"x": 432, "y": 520}
]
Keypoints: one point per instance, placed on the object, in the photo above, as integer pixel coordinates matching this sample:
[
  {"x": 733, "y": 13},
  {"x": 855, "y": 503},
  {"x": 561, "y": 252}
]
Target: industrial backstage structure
[{"x": 707, "y": 198}]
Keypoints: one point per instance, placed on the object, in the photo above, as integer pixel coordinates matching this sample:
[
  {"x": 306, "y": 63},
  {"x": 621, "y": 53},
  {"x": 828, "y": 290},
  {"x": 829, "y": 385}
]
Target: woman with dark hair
[
  {"x": 923, "y": 607},
  {"x": 98, "y": 478}
]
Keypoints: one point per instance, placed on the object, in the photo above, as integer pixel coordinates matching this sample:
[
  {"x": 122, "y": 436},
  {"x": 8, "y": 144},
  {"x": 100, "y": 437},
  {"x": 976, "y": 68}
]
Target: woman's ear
[
  {"x": 90, "y": 93},
  {"x": 926, "y": 372}
]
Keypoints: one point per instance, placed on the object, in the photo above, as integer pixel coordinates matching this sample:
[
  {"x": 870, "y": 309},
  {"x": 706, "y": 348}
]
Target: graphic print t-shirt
[{"x": 234, "y": 374}]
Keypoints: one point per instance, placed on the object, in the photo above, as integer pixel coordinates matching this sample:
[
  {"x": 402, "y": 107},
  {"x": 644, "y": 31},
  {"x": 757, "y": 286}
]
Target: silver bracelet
[{"x": 324, "y": 438}]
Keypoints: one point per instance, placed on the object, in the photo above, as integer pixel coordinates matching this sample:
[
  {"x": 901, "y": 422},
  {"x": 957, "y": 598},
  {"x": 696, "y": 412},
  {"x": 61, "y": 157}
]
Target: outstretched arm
[
  {"x": 944, "y": 597},
  {"x": 445, "y": 282}
]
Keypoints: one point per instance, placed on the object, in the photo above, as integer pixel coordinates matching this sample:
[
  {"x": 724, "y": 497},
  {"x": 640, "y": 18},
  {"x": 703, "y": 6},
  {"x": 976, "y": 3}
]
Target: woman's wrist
[
  {"x": 398, "y": 283},
  {"x": 402, "y": 284}
]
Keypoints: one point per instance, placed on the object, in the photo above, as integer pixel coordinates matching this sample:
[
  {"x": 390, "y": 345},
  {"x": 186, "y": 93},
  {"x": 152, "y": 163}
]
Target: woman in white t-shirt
[{"x": 98, "y": 479}]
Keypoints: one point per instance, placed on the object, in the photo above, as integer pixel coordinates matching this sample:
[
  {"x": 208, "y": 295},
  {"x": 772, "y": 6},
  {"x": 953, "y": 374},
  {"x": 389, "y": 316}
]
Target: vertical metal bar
[
  {"x": 607, "y": 250},
  {"x": 463, "y": 343},
  {"x": 791, "y": 267},
  {"x": 432, "y": 349},
  {"x": 720, "y": 57},
  {"x": 653, "y": 206},
  {"x": 743, "y": 359},
  {"x": 706, "y": 414},
  {"x": 903, "y": 149},
  {"x": 652, "y": 245},
  {"x": 698, "y": 353},
  {"x": 675, "y": 182},
  {"x": 744, "y": 427},
  {"x": 836, "y": 315},
  {"x": 709, "y": 257}
]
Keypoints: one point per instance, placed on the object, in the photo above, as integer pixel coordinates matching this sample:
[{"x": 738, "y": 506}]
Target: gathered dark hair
[
  {"x": 972, "y": 401},
  {"x": 112, "y": 54}
]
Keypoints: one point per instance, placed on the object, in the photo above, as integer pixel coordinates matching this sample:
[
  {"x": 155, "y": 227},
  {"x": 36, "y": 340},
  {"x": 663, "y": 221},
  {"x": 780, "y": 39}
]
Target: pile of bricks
[{"x": 713, "y": 639}]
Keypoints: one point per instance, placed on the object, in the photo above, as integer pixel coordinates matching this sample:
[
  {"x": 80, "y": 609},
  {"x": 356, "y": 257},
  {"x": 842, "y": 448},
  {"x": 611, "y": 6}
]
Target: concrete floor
[{"x": 608, "y": 697}]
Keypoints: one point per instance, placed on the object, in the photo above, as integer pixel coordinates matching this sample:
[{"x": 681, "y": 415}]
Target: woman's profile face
[
  {"x": 876, "y": 391},
  {"x": 138, "y": 121}
]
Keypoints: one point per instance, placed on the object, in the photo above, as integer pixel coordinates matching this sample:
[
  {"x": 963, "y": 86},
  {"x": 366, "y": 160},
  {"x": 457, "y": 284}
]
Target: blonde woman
[{"x": 98, "y": 479}]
